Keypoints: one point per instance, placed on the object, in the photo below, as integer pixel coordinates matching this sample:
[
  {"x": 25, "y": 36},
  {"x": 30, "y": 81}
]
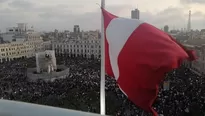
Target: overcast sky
[{"x": 47, "y": 15}]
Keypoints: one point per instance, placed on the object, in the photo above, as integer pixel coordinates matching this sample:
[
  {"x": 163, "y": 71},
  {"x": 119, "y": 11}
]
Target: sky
[{"x": 47, "y": 15}]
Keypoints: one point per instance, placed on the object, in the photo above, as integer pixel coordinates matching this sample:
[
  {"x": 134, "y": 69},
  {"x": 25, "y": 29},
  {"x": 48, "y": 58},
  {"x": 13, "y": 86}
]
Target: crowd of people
[{"x": 80, "y": 90}]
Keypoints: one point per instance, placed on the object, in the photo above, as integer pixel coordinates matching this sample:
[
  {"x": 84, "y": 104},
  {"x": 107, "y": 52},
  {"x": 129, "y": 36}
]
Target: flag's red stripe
[{"x": 107, "y": 18}]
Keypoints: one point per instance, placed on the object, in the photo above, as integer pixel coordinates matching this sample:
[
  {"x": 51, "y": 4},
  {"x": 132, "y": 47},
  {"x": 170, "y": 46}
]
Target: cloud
[
  {"x": 171, "y": 16},
  {"x": 60, "y": 16},
  {"x": 24, "y": 4},
  {"x": 197, "y": 15},
  {"x": 174, "y": 17},
  {"x": 1, "y": 1},
  {"x": 192, "y": 1}
]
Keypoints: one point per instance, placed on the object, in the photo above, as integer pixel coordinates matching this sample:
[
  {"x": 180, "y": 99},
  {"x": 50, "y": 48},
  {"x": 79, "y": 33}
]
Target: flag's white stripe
[
  {"x": 122, "y": 90},
  {"x": 117, "y": 33}
]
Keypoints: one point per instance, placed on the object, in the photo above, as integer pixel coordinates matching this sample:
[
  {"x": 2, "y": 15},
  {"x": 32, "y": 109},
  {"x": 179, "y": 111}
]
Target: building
[
  {"x": 198, "y": 45},
  {"x": 189, "y": 22},
  {"x": 135, "y": 14},
  {"x": 182, "y": 38},
  {"x": 90, "y": 34},
  {"x": 76, "y": 29},
  {"x": 21, "y": 28},
  {"x": 78, "y": 43},
  {"x": 87, "y": 48},
  {"x": 46, "y": 45},
  {"x": 166, "y": 28},
  {"x": 22, "y": 45},
  {"x": 73, "y": 44},
  {"x": 32, "y": 44}
]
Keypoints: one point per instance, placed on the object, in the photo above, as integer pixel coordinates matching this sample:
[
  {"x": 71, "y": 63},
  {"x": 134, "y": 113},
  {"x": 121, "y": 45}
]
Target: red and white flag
[{"x": 138, "y": 56}]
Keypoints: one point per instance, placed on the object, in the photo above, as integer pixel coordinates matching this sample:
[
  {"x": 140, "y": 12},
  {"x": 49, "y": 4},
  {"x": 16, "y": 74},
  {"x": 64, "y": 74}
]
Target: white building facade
[
  {"x": 87, "y": 48},
  {"x": 30, "y": 44},
  {"x": 22, "y": 42}
]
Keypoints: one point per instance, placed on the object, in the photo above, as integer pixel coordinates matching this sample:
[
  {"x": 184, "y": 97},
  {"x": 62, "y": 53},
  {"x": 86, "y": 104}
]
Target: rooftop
[{"x": 197, "y": 42}]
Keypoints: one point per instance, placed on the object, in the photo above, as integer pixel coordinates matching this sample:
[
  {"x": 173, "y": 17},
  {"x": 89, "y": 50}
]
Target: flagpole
[
  {"x": 142, "y": 113},
  {"x": 102, "y": 82}
]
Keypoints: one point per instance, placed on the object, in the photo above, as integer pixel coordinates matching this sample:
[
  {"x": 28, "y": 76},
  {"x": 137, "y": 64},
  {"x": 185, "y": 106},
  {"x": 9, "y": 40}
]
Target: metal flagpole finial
[{"x": 102, "y": 3}]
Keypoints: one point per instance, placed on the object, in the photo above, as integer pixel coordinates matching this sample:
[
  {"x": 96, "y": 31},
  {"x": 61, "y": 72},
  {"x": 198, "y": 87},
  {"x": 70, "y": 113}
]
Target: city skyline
[{"x": 62, "y": 15}]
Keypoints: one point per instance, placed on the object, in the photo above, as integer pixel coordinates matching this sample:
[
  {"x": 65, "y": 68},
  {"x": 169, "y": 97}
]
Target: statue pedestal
[{"x": 50, "y": 69}]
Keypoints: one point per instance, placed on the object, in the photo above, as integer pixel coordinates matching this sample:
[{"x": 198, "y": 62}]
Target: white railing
[{"x": 14, "y": 108}]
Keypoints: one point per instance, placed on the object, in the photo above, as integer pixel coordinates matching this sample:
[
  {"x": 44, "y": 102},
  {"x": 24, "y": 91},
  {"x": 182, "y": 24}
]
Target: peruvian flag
[{"x": 138, "y": 56}]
